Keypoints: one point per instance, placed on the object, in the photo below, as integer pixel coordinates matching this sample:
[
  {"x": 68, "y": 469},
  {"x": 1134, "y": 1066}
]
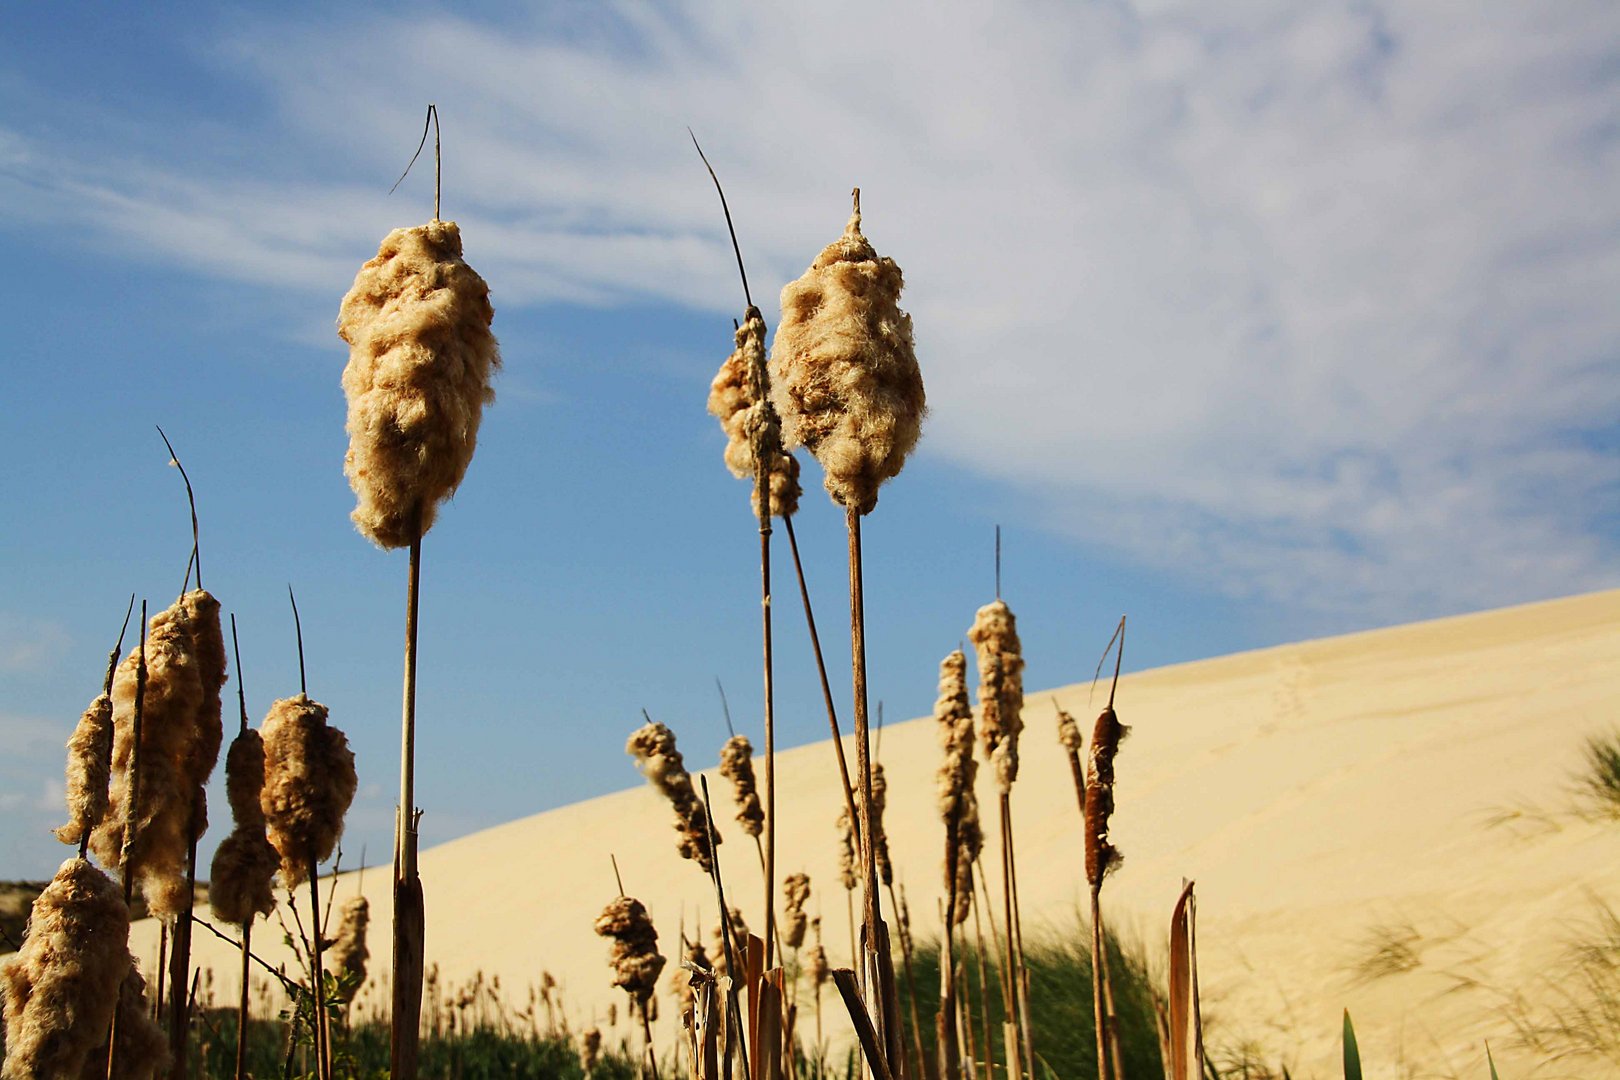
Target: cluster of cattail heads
[
  {"x": 844, "y": 373},
  {"x": 635, "y": 958},
  {"x": 179, "y": 743},
  {"x": 421, "y": 355},
  {"x": 309, "y": 782},
  {"x": 60, "y": 991},
  {"x": 653, "y": 747},
  {"x": 795, "y": 891},
  {"x": 753, "y": 429},
  {"x": 1001, "y": 688},
  {"x": 737, "y": 765},
  {"x": 958, "y": 802},
  {"x": 1101, "y": 856},
  {"x": 241, "y": 882},
  {"x": 349, "y": 954}
]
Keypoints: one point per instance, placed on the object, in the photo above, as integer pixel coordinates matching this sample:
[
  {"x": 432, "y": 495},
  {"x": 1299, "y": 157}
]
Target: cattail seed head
[
  {"x": 653, "y": 747},
  {"x": 309, "y": 782},
  {"x": 737, "y": 765},
  {"x": 816, "y": 965},
  {"x": 749, "y": 420},
  {"x": 143, "y": 1047},
  {"x": 635, "y": 958},
  {"x": 208, "y": 646},
  {"x": 795, "y": 891},
  {"x": 847, "y": 860},
  {"x": 241, "y": 882},
  {"x": 349, "y": 953},
  {"x": 880, "y": 837},
  {"x": 1069, "y": 732},
  {"x": 958, "y": 801},
  {"x": 60, "y": 990},
  {"x": 1001, "y": 688},
  {"x": 89, "y": 765},
  {"x": 170, "y": 761},
  {"x": 420, "y": 360},
  {"x": 844, "y": 373},
  {"x": 590, "y": 1049},
  {"x": 1101, "y": 856}
]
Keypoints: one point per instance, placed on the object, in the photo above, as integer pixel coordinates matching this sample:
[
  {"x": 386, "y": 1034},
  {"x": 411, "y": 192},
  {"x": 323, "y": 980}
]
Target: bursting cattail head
[
  {"x": 880, "y": 838},
  {"x": 88, "y": 770},
  {"x": 60, "y": 991},
  {"x": 847, "y": 860},
  {"x": 169, "y": 757},
  {"x": 795, "y": 891},
  {"x": 241, "y": 882},
  {"x": 1101, "y": 856},
  {"x": 349, "y": 953},
  {"x": 1001, "y": 688},
  {"x": 653, "y": 747},
  {"x": 635, "y": 958},
  {"x": 753, "y": 430},
  {"x": 958, "y": 801},
  {"x": 420, "y": 360},
  {"x": 208, "y": 646},
  {"x": 1069, "y": 732},
  {"x": 309, "y": 782},
  {"x": 737, "y": 765},
  {"x": 844, "y": 373},
  {"x": 143, "y": 1047}
]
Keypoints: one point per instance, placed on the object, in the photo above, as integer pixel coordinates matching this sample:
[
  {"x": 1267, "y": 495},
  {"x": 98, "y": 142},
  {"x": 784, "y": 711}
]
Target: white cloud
[
  {"x": 1312, "y": 302},
  {"x": 30, "y": 645}
]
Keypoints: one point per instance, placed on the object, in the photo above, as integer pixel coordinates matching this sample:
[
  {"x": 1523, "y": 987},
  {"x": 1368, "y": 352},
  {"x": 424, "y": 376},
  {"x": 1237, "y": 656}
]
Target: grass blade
[{"x": 1352, "y": 1054}]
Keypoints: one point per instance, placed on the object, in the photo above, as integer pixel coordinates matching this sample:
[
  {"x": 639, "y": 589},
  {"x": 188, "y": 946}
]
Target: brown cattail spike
[
  {"x": 653, "y": 747},
  {"x": 60, "y": 991},
  {"x": 795, "y": 891},
  {"x": 143, "y": 1049},
  {"x": 958, "y": 802},
  {"x": 635, "y": 958},
  {"x": 880, "y": 838},
  {"x": 753, "y": 429},
  {"x": 349, "y": 953},
  {"x": 844, "y": 373},
  {"x": 848, "y": 868},
  {"x": 242, "y": 878},
  {"x": 1101, "y": 856},
  {"x": 420, "y": 360},
  {"x": 1069, "y": 733},
  {"x": 309, "y": 782},
  {"x": 1001, "y": 688},
  {"x": 737, "y": 765},
  {"x": 88, "y": 770}
]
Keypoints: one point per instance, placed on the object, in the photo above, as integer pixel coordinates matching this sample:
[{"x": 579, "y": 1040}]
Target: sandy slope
[{"x": 1320, "y": 794}]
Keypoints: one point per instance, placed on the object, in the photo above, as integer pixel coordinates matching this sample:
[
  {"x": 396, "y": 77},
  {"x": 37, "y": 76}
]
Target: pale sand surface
[{"x": 1315, "y": 792}]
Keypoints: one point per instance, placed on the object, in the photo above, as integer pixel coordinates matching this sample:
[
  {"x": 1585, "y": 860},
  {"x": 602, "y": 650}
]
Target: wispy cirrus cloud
[{"x": 1309, "y": 302}]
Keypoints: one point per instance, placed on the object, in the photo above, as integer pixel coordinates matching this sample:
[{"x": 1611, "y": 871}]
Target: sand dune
[{"x": 1326, "y": 797}]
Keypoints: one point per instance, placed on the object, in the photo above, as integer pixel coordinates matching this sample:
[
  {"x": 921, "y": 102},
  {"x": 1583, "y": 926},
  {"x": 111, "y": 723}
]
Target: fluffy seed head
[
  {"x": 201, "y": 615},
  {"x": 1101, "y": 856},
  {"x": 816, "y": 964},
  {"x": 420, "y": 360},
  {"x": 143, "y": 1047},
  {"x": 309, "y": 782},
  {"x": 737, "y": 765},
  {"x": 60, "y": 991},
  {"x": 89, "y": 765},
  {"x": 1069, "y": 732},
  {"x": 844, "y": 373},
  {"x": 1001, "y": 688},
  {"x": 795, "y": 891},
  {"x": 753, "y": 430},
  {"x": 848, "y": 874},
  {"x": 169, "y": 763},
  {"x": 349, "y": 953},
  {"x": 653, "y": 747},
  {"x": 241, "y": 882},
  {"x": 958, "y": 801},
  {"x": 880, "y": 837},
  {"x": 635, "y": 959}
]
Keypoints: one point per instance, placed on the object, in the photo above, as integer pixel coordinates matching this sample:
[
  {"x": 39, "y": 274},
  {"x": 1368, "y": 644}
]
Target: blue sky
[{"x": 1256, "y": 321}]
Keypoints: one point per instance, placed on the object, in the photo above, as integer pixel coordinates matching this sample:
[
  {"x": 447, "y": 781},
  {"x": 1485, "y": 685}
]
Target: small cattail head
[
  {"x": 737, "y": 765},
  {"x": 309, "y": 782},
  {"x": 201, "y": 613},
  {"x": 880, "y": 837},
  {"x": 635, "y": 958},
  {"x": 89, "y": 765},
  {"x": 241, "y": 882},
  {"x": 795, "y": 891},
  {"x": 1069, "y": 733},
  {"x": 421, "y": 356},
  {"x": 816, "y": 965},
  {"x": 1101, "y": 856},
  {"x": 753, "y": 430},
  {"x": 349, "y": 952},
  {"x": 844, "y": 373},
  {"x": 1001, "y": 687},
  {"x": 847, "y": 860},
  {"x": 60, "y": 990},
  {"x": 653, "y": 747}
]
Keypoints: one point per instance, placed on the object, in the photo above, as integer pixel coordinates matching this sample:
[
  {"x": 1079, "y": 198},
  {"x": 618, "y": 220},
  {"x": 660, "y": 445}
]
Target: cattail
[
  {"x": 309, "y": 782},
  {"x": 143, "y": 1049},
  {"x": 795, "y": 891},
  {"x": 739, "y": 940},
  {"x": 61, "y": 989},
  {"x": 349, "y": 953},
  {"x": 737, "y": 765},
  {"x": 420, "y": 359},
  {"x": 590, "y": 1050},
  {"x": 749, "y": 421},
  {"x": 816, "y": 965},
  {"x": 208, "y": 646},
  {"x": 848, "y": 863},
  {"x": 653, "y": 747},
  {"x": 958, "y": 802},
  {"x": 880, "y": 838},
  {"x": 1001, "y": 688},
  {"x": 1069, "y": 733},
  {"x": 1101, "y": 856},
  {"x": 844, "y": 375},
  {"x": 170, "y": 760},
  {"x": 635, "y": 959},
  {"x": 89, "y": 757},
  {"x": 241, "y": 881}
]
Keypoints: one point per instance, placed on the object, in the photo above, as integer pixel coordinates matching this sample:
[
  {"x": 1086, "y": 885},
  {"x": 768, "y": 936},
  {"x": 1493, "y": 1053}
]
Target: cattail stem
[
  {"x": 1016, "y": 935},
  {"x": 131, "y": 812},
  {"x": 646, "y": 1031},
  {"x": 826, "y": 687},
  {"x": 322, "y": 1060},
  {"x": 923, "y": 1066},
  {"x": 106, "y": 691},
  {"x": 180, "y": 962},
  {"x": 945, "y": 1021},
  {"x": 763, "y": 497},
  {"x": 1003, "y": 977},
  {"x": 408, "y": 943},
  {"x": 984, "y": 985},
  {"x": 242, "y": 1002},
  {"x": 1099, "y": 1012}
]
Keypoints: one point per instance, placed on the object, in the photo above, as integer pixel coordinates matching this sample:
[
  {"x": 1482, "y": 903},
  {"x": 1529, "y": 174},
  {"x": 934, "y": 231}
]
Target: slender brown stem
[
  {"x": 1099, "y": 1012},
  {"x": 764, "y": 494},
  {"x": 408, "y": 943},
  {"x": 734, "y": 1025},
  {"x": 826, "y": 687},
  {"x": 242, "y": 1002},
  {"x": 322, "y": 1060},
  {"x": 922, "y": 1064},
  {"x": 106, "y": 690},
  {"x": 646, "y": 1031},
  {"x": 984, "y": 986},
  {"x": 191, "y": 500},
  {"x": 130, "y": 813},
  {"x": 180, "y": 958},
  {"x": 1021, "y": 967}
]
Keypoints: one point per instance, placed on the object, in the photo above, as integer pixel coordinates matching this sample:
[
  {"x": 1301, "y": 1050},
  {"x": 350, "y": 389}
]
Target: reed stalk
[{"x": 131, "y": 811}]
